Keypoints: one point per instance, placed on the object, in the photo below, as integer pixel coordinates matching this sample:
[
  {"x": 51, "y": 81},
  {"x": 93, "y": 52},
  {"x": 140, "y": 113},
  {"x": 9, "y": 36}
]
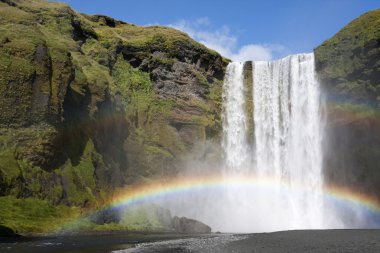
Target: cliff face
[
  {"x": 349, "y": 67},
  {"x": 89, "y": 103}
]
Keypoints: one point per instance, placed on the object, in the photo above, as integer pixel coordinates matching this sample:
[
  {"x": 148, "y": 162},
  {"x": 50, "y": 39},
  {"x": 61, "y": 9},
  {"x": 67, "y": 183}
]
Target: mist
[{"x": 270, "y": 161}]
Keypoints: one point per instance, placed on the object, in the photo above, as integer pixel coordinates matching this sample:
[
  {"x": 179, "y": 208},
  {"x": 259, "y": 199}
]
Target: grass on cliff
[
  {"x": 34, "y": 215},
  {"x": 139, "y": 97},
  {"x": 147, "y": 217},
  {"x": 36, "y": 24},
  {"x": 163, "y": 38},
  {"x": 358, "y": 32},
  {"x": 31, "y": 215},
  {"x": 349, "y": 61},
  {"x": 80, "y": 178}
]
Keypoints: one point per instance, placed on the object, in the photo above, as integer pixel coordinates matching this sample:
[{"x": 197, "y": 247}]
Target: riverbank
[
  {"x": 298, "y": 241},
  {"x": 285, "y": 241},
  {"x": 94, "y": 242}
]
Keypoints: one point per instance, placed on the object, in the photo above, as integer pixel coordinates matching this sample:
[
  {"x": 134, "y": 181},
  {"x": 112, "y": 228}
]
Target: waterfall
[
  {"x": 286, "y": 144},
  {"x": 234, "y": 119}
]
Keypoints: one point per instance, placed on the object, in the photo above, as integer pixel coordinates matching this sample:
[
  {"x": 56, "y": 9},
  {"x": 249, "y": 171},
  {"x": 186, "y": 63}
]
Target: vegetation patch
[{"x": 34, "y": 215}]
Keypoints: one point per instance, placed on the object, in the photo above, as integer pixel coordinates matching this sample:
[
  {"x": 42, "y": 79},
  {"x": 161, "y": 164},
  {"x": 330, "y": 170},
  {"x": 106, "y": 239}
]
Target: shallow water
[
  {"x": 86, "y": 243},
  {"x": 207, "y": 244}
]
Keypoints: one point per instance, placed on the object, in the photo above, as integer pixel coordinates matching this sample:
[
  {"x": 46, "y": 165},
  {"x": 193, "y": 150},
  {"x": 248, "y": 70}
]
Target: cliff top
[
  {"x": 349, "y": 62},
  {"x": 36, "y": 12}
]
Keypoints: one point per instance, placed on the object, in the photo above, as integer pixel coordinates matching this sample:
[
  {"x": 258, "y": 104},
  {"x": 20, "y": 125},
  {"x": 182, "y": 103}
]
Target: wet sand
[
  {"x": 285, "y": 241},
  {"x": 330, "y": 241},
  {"x": 357, "y": 241}
]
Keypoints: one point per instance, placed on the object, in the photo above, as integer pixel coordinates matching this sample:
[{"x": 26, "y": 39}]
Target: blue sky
[{"x": 240, "y": 29}]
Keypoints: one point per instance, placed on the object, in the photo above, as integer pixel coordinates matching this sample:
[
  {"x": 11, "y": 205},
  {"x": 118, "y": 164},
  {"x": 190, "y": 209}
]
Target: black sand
[{"x": 367, "y": 241}]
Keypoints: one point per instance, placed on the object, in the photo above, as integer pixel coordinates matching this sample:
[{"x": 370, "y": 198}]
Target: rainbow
[
  {"x": 187, "y": 185},
  {"x": 340, "y": 112},
  {"x": 178, "y": 187}
]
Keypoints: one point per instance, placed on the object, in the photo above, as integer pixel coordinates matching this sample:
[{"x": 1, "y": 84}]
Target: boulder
[
  {"x": 189, "y": 226},
  {"x": 7, "y": 232}
]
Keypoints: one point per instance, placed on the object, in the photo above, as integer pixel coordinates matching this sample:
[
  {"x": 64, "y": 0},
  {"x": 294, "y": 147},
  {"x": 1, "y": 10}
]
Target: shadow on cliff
[{"x": 105, "y": 126}]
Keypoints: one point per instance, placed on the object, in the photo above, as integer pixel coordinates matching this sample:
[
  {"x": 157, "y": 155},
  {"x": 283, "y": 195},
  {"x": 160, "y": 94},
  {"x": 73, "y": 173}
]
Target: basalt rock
[
  {"x": 7, "y": 232},
  {"x": 189, "y": 226}
]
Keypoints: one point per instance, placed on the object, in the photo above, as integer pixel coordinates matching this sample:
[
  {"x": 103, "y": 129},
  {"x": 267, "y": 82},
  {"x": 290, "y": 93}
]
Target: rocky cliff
[
  {"x": 349, "y": 68},
  {"x": 89, "y": 103}
]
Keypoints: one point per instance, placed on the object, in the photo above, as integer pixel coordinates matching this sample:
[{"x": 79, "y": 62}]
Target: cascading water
[
  {"x": 288, "y": 133},
  {"x": 287, "y": 142},
  {"x": 234, "y": 119},
  {"x": 272, "y": 178}
]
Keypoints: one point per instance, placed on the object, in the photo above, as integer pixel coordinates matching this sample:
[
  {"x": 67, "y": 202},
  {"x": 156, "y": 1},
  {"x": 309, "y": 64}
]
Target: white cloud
[
  {"x": 253, "y": 52},
  {"x": 224, "y": 42},
  {"x": 200, "y": 30}
]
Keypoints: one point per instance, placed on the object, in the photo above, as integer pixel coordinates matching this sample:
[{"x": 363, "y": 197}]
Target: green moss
[
  {"x": 85, "y": 169},
  {"x": 166, "y": 136},
  {"x": 9, "y": 14},
  {"x": 97, "y": 51},
  {"x": 155, "y": 151},
  {"x": 147, "y": 217},
  {"x": 84, "y": 224},
  {"x": 215, "y": 94},
  {"x": 202, "y": 80},
  {"x": 164, "y": 38},
  {"x": 348, "y": 62},
  {"x": 8, "y": 163},
  {"x": 80, "y": 179},
  {"x": 131, "y": 80},
  {"x": 160, "y": 61},
  {"x": 141, "y": 103},
  {"x": 33, "y": 215},
  {"x": 46, "y": 50},
  {"x": 151, "y": 151},
  {"x": 145, "y": 40}
]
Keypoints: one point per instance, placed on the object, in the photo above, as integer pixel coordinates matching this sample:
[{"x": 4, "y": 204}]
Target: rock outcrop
[
  {"x": 89, "y": 103},
  {"x": 148, "y": 217},
  {"x": 189, "y": 226},
  {"x": 348, "y": 65},
  {"x": 7, "y": 232}
]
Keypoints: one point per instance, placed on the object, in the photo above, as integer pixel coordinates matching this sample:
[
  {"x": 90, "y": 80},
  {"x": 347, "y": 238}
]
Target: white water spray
[
  {"x": 286, "y": 145},
  {"x": 272, "y": 134},
  {"x": 288, "y": 134}
]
